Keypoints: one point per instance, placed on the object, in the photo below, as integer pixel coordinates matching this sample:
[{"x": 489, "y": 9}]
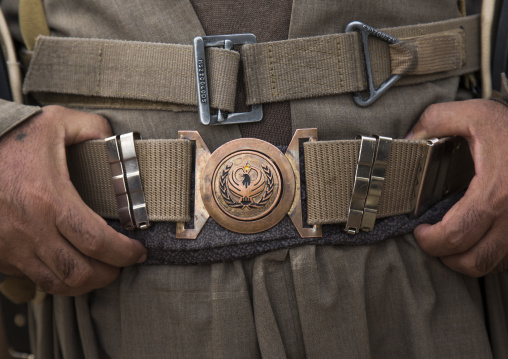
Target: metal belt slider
[
  {"x": 129, "y": 193},
  {"x": 447, "y": 168},
  {"x": 365, "y": 31},
  {"x": 221, "y": 118},
  {"x": 369, "y": 181}
]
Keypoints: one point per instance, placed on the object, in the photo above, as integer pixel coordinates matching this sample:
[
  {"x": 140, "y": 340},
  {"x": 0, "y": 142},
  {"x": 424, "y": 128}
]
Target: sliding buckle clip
[
  {"x": 130, "y": 198},
  {"x": 221, "y": 118},
  {"x": 365, "y": 31}
]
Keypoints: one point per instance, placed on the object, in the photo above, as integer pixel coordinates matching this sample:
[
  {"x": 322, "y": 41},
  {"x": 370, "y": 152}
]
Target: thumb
[
  {"x": 441, "y": 120},
  {"x": 80, "y": 126}
]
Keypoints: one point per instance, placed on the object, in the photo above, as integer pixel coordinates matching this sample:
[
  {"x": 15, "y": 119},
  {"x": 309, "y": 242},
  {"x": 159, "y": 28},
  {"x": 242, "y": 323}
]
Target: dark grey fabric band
[{"x": 217, "y": 244}]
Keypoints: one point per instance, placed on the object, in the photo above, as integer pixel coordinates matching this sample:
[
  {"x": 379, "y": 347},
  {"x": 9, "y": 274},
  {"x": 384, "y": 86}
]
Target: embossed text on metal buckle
[
  {"x": 247, "y": 185},
  {"x": 221, "y": 118},
  {"x": 365, "y": 31}
]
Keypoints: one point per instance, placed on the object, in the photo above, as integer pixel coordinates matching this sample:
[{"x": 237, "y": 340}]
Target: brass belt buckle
[{"x": 247, "y": 185}]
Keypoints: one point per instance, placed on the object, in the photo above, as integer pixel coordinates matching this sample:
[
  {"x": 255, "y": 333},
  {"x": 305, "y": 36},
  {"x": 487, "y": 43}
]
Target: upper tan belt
[
  {"x": 110, "y": 73},
  {"x": 165, "y": 168}
]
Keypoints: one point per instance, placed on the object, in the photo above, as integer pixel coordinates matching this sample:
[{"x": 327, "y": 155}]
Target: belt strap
[
  {"x": 96, "y": 73},
  {"x": 330, "y": 172},
  {"x": 127, "y": 74},
  {"x": 331, "y": 65},
  {"x": 165, "y": 169}
]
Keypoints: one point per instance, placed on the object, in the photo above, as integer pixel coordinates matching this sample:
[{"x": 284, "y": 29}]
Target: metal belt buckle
[
  {"x": 247, "y": 185},
  {"x": 365, "y": 31},
  {"x": 221, "y": 118},
  {"x": 448, "y": 168}
]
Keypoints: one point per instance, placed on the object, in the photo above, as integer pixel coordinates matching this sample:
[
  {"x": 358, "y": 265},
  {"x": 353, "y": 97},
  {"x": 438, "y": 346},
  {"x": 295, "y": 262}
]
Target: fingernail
[
  {"x": 409, "y": 135},
  {"x": 142, "y": 259}
]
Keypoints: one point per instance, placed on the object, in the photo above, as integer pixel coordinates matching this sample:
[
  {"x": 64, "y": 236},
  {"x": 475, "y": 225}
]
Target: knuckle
[
  {"x": 93, "y": 241},
  {"x": 454, "y": 243},
  {"x": 52, "y": 109},
  {"x": 66, "y": 264},
  {"x": 45, "y": 281},
  {"x": 428, "y": 115},
  {"x": 453, "y": 240}
]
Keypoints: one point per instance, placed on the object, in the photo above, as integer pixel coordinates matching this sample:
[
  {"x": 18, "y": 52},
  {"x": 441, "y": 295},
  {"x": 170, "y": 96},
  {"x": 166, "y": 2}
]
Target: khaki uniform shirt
[{"x": 388, "y": 300}]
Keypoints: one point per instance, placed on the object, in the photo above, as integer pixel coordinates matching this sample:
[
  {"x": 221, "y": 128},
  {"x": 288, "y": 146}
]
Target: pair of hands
[{"x": 48, "y": 234}]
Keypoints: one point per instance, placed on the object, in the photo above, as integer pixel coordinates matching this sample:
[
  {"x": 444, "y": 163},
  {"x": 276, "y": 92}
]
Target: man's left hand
[{"x": 472, "y": 238}]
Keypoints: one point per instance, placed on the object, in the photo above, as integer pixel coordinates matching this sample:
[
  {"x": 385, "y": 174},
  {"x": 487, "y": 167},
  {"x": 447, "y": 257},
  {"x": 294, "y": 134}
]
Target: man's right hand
[{"x": 47, "y": 233}]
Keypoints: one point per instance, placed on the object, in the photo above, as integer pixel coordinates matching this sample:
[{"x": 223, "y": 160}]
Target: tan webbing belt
[
  {"x": 128, "y": 70},
  {"x": 330, "y": 173},
  {"x": 332, "y": 65},
  {"x": 110, "y": 73},
  {"x": 165, "y": 169}
]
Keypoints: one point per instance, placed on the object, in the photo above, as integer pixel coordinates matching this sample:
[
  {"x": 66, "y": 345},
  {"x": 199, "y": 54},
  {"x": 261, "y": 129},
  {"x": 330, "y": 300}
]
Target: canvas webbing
[
  {"x": 129, "y": 70},
  {"x": 444, "y": 51},
  {"x": 165, "y": 168},
  {"x": 332, "y": 64},
  {"x": 32, "y": 21},
  {"x": 330, "y": 171},
  {"x": 274, "y": 71}
]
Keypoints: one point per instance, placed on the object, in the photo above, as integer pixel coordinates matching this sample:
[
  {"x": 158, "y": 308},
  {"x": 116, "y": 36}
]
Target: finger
[
  {"x": 459, "y": 230},
  {"x": 72, "y": 267},
  {"x": 92, "y": 236},
  {"x": 80, "y": 126},
  {"x": 444, "y": 119},
  {"x": 482, "y": 258},
  {"x": 44, "y": 278}
]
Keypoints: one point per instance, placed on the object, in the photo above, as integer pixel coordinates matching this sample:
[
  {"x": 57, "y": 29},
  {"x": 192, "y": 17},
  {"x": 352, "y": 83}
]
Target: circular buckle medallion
[{"x": 248, "y": 185}]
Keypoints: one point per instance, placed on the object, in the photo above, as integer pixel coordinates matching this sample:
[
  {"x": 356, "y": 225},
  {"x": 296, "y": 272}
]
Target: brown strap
[
  {"x": 330, "y": 171},
  {"x": 32, "y": 21},
  {"x": 274, "y": 71},
  {"x": 165, "y": 167}
]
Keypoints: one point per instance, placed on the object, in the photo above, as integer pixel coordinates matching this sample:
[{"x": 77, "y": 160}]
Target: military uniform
[{"x": 387, "y": 299}]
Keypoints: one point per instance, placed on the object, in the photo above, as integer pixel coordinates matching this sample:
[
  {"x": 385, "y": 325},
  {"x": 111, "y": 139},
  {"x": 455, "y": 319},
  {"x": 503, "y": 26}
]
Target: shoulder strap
[{"x": 32, "y": 21}]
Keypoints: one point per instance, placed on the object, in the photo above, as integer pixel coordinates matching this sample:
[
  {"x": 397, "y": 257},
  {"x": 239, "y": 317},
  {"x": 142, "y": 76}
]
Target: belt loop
[{"x": 130, "y": 197}]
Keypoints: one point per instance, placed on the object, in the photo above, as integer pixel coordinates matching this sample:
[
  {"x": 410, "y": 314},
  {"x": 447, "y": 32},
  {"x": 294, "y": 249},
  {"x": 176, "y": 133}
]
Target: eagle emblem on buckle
[
  {"x": 246, "y": 185},
  {"x": 252, "y": 187}
]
